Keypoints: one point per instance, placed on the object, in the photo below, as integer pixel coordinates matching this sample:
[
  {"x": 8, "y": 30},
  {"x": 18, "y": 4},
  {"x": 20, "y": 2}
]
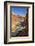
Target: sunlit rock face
[{"x": 16, "y": 21}]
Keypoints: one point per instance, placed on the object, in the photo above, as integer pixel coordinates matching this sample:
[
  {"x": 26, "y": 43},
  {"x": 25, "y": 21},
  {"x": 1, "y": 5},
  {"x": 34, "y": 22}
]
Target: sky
[{"x": 19, "y": 11}]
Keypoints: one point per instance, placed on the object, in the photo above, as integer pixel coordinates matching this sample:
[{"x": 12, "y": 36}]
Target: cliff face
[{"x": 15, "y": 20}]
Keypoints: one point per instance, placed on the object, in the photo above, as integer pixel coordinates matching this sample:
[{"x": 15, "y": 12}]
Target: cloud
[{"x": 14, "y": 13}]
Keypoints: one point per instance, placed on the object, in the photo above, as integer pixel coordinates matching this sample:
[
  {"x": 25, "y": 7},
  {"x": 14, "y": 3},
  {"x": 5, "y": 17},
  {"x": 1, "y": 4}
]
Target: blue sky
[{"x": 19, "y": 11}]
